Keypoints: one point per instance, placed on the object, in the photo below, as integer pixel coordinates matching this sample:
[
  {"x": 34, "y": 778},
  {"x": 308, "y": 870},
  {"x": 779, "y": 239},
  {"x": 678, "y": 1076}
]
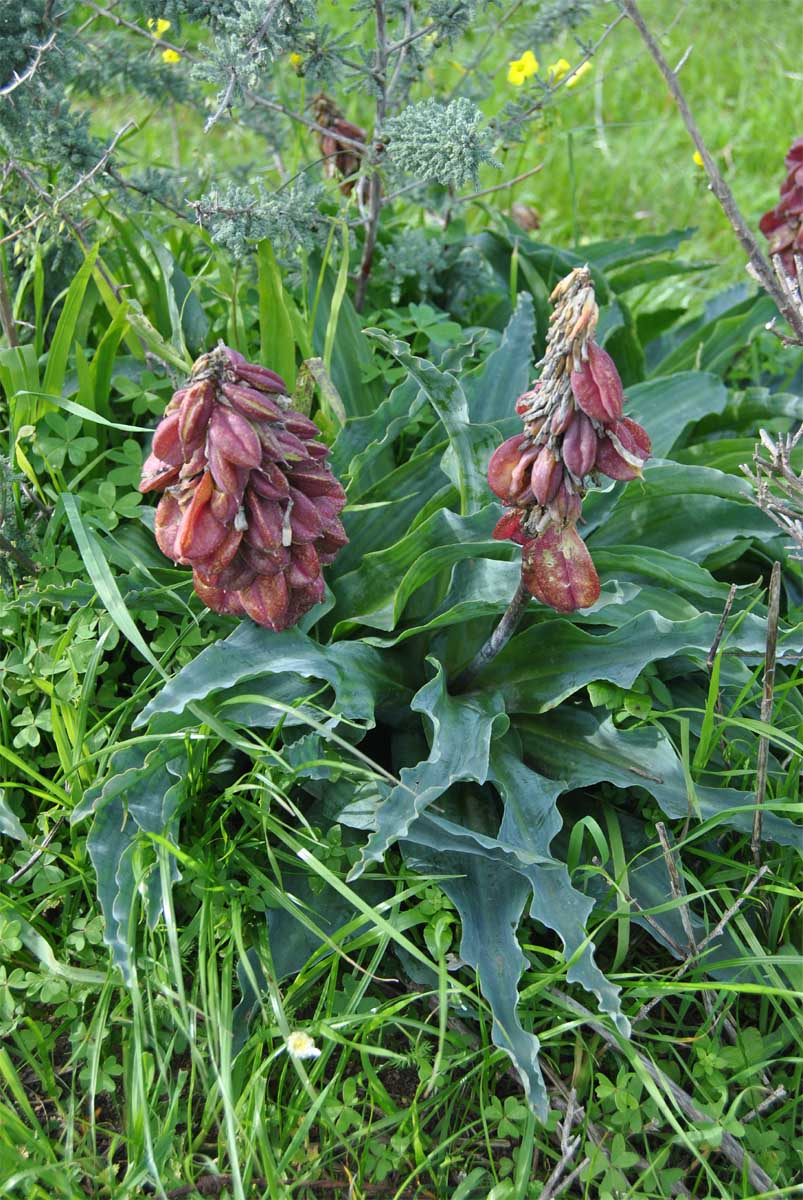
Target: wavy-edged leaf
[
  {"x": 530, "y": 822},
  {"x": 357, "y": 673},
  {"x": 550, "y": 661},
  {"x": 471, "y": 445},
  {"x": 362, "y": 445},
  {"x": 141, "y": 796},
  {"x": 581, "y": 749},
  {"x": 490, "y": 898},
  {"x": 462, "y": 730}
]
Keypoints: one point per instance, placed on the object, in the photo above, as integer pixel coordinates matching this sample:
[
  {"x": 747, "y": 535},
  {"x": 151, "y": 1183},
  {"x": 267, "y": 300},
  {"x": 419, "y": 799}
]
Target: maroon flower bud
[
  {"x": 565, "y": 509},
  {"x": 157, "y": 474},
  {"x": 597, "y": 387},
  {"x": 579, "y": 446},
  {"x": 503, "y": 463},
  {"x": 252, "y": 506},
  {"x": 261, "y": 377},
  {"x": 194, "y": 414},
  {"x": 166, "y": 443},
  {"x": 623, "y": 449},
  {"x": 252, "y": 403},
  {"x": 235, "y": 437},
  {"x": 546, "y": 476},
  {"x": 508, "y": 528},
  {"x": 557, "y": 569}
]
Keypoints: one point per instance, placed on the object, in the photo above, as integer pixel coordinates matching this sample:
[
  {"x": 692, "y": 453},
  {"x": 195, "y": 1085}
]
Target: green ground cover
[{"x": 517, "y": 937}]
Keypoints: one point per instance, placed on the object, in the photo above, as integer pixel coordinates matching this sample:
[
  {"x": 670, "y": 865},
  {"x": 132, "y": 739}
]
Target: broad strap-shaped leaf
[
  {"x": 388, "y": 511},
  {"x": 582, "y": 749},
  {"x": 668, "y": 405},
  {"x": 462, "y": 729},
  {"x": 492, "y": 389},
  {"x": 490, "y": 898},
  {"x": 612, "y": 254},
  {"x": 357, "y": 673},
  {"x": 141, "y": 796},
  {"x": 687, "y": 511},
  {"x": 550, "y": 661},
  {"x": 747, "y": 411},
  {"x": 369, "y": 594}
]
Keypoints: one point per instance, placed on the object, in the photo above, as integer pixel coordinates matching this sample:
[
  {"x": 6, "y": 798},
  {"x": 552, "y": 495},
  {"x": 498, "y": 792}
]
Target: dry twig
[
  {"x": 773, "y": 608},
  {"x": 760, "y": 268}
]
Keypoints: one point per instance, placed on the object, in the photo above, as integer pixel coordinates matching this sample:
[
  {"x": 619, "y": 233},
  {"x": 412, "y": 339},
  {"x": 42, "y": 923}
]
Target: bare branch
[
  {"x": 761, "y": 269},
  {"x": 18, "y": 80},
  {"x": 54, "y": 203},
  {"x": 773, "y": 609}
]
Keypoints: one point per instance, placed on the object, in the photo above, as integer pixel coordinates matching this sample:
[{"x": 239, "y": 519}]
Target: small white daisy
[{"x": 301, "y": 1045}]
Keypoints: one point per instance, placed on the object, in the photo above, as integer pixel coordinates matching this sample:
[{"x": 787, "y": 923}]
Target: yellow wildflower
[
  {"x": 296, "y": 60},
  {"x": 301, "y": 1045},
  {"x": 171, "y": 56},
  {"x": 698, "y": 158},
  {"x": 522, "y": 68},
  {"x": 158, "y": 26},
  {"x": 557, "y": 70},
  {"x": 583, "y": 69}
]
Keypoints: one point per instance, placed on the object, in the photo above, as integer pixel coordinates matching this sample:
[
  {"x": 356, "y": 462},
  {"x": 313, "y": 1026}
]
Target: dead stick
[
  {"x": 761, "y": 269},
  {"x": 729, "y": 1147},
  {"x": 773, "y": 608}
]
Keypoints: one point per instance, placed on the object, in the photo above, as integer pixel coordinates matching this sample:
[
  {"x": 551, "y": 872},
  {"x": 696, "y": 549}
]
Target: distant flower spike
[
  {"x": 573, "y": 429},
  {"x": 249, "y": 502},
  {"x": 783, "y": 224}
]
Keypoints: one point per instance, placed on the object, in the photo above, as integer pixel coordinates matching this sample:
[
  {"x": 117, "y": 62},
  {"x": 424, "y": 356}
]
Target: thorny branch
[
  {"x": 54, "y": 203},
  {"x": 18, "y": 80}
]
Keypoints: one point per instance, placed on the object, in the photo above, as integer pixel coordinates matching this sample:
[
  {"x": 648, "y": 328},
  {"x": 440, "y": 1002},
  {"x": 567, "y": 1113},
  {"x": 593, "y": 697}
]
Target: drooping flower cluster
[
  {"x": 783, "y": 224},
  {"x": 340, "y": 158},
  {"x": 249, "y": 501},
  {"x": 574, "y": 428}
]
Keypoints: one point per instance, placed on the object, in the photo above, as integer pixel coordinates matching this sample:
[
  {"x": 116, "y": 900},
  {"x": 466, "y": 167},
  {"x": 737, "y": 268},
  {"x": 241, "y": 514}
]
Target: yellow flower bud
[
  {"x": 171, "y": 56},
  {"x": 158, "y": 26},
  {"x": 557, "y": 70},
  {"x": 582, "y": 70}
]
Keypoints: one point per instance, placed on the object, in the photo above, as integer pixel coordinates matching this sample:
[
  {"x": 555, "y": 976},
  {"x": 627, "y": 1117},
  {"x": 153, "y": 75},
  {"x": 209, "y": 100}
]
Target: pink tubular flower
[
  {"x": 573, "y": 430},
  {"x": 248, "y": 500}
]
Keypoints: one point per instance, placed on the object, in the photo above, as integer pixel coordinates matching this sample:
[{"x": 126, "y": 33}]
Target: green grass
[{"x": 117, "y": 1091}]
